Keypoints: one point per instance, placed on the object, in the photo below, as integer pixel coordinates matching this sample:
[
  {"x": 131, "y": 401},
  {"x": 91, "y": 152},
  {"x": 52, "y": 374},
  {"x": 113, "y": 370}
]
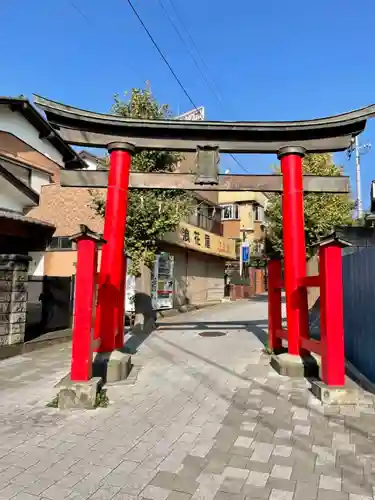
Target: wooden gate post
[
  {"x": 274, "y": 304},
  {"x": 332, "y": 314},
  {"x": 111, "y": 277},
  {"x": 294, "y": 246},
  {"x": 82, "y": 345}
]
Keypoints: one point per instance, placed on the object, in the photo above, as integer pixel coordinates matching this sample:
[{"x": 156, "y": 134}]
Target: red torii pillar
[
  {"x": 82, "y": 339},
  {"x": 110, "y": 308},
  {"x": 294, "y": 246}
]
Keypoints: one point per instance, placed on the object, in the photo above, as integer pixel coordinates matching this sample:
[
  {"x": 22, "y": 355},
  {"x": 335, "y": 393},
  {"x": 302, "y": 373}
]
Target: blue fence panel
[{"x": 359, "y": 308}]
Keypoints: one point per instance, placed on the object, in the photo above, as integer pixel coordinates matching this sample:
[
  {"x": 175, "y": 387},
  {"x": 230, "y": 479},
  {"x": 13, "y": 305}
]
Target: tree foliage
[
  {"x": 151, "y": 213},
  {"x": 323, "y": 211}
]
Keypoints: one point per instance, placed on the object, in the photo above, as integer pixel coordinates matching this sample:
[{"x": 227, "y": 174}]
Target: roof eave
[
  {"x": 18, "y": 184},
  {"x": 46, "y": 131}
]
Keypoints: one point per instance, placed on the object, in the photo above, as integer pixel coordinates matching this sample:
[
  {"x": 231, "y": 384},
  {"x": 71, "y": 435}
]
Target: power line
[
  {"x": 191, "y": 54},
  {"x": 92, "y": 25},
  {"x": 88, "y": 20},
  {"x": 215, "y": 92},
  {"x": 211, "y": 87},
  {"x": 161, "y": 53},
  {"x": 155, "y": 44},
  {"x": 179, "y": 17},
  {"x": 80, "y": 12}
]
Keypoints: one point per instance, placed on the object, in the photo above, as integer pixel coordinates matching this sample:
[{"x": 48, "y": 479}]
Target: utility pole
[
  {"x": 359, "y": 150},
  {"x": 358, "y": 177}
]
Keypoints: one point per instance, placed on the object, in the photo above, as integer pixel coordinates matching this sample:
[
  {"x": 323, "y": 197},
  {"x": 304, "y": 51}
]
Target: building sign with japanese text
[
  {"x": 198, "y": 239},
  {"x": 194, "y": 115}
]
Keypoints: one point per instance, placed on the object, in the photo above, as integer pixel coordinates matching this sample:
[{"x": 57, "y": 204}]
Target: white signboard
[
  {"x": 129, "y": 290},
  {"x": 162, "y": 282},
  {"x": 194, "y": 115}
]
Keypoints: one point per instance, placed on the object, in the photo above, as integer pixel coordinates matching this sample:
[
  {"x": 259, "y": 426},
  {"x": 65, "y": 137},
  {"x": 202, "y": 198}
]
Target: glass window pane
[
  {"x": 65, "y": 243},
  {"x": 54, "y": 243}
]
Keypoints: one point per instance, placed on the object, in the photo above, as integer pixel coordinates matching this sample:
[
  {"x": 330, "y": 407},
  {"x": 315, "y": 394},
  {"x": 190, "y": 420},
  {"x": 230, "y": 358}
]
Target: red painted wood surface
[{"x": 111, "y": 295}]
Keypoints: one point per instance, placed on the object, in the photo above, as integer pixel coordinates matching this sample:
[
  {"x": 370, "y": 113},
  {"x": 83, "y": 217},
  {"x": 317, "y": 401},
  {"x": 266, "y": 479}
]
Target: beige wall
[
  {"x": 205, "y": 281},
  {"x": 241, "y": 196},
  {"x": 235, "y": 228},
  {"x": 198, "y": 278},
  {"x": 62, "y": 263},
  {"x": 246, "y": 216},
  {"x": 231, "y": 229}
]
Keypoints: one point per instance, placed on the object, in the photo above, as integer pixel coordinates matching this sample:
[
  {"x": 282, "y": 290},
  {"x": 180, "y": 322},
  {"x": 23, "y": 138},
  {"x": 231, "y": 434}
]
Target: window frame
[
  {"x": 258, "y": 210},
  {"x": 235, "y": 212},
  {"x": 59, "y": 241}
]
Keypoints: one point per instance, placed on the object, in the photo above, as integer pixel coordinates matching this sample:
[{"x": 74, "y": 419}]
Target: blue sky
[{"x": 270, "y": 59}]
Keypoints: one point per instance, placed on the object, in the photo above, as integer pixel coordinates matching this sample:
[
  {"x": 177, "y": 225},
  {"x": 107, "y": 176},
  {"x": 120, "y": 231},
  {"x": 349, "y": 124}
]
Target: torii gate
[{"x": 123, "y": 136}]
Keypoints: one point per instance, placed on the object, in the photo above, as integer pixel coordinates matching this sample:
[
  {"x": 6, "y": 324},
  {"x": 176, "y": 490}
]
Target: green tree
[
  {"x": 151, "y": 213},
  {"x": 323, "y": 211}
]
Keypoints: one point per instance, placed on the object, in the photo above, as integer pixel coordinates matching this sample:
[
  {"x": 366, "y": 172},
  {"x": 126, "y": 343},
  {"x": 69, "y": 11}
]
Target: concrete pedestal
[
  {"x": 294, "y": 366},
  {"x": 344, "y": 395},
  {"x": 111, "y": 366},
  {"x": 78, "y": 395}
]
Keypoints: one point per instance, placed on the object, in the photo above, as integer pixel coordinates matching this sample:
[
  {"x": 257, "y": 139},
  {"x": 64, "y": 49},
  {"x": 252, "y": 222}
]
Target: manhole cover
[{"x": 212, "y": 334}]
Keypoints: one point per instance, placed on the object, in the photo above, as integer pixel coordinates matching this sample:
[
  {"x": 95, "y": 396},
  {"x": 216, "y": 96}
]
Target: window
[
  {"x": 258, "y": 213},
  {"x": 61, "y": 243},
  {"x": 22, "y": 173},
  {"x": 229, "y": 212}
]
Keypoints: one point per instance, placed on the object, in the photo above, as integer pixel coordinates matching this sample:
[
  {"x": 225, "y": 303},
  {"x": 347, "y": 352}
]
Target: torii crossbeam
[{"x": 123, "y": 136}]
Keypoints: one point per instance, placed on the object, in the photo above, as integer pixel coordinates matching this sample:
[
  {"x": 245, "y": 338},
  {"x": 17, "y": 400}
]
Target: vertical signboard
[
  {"x": 162, "y": 282},
  {"x": 130, "y": 289},
  {"x": 244, "y": 256}
]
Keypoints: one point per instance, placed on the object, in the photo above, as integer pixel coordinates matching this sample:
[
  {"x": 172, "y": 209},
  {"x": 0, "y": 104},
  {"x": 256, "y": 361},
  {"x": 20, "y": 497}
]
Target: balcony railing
[{"x": 209, "y": 224}]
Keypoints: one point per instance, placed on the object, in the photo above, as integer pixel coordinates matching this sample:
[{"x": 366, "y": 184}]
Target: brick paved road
[{"x": 207, "y": 419}]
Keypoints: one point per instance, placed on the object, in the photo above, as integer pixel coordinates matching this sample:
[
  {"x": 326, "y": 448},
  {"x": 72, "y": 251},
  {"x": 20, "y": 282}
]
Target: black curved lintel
[{"x": 87, "y": 128}]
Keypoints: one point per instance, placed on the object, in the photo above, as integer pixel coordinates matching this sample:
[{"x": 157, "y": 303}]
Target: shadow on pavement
[
  {"x": 133, "y": 343},
  {"x": 351, "y": 462},
  {"x": 254, "y": 326},
  {"x": 264, "y": 298}
]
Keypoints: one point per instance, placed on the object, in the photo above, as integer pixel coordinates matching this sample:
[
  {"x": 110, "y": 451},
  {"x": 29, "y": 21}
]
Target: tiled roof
[{"x": 66, "y": 209}]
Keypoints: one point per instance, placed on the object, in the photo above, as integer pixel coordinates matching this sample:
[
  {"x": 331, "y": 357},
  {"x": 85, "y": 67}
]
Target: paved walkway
[{"x": 206, "y": 419}]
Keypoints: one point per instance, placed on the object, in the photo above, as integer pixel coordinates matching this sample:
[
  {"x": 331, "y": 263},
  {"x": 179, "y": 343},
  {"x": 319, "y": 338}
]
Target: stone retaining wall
[{"x": 13, "y": 298}]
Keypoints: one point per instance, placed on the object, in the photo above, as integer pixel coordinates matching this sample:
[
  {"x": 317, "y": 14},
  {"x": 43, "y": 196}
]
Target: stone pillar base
[
  {"x": 294, "y": 366},
  {"x": 111, "y": 366},
  {"x": 13, "y": 298},
  {"x": 78, "y": 395},
  {"x": 329, "y": 395}
]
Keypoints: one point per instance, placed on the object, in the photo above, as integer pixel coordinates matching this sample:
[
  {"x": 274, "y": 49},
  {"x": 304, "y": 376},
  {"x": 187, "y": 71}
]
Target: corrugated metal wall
[{"x": 359, "y": 308}]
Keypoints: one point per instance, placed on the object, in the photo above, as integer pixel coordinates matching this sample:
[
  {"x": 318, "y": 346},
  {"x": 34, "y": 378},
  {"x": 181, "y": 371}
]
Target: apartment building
[{"x": 243, "y": 220}]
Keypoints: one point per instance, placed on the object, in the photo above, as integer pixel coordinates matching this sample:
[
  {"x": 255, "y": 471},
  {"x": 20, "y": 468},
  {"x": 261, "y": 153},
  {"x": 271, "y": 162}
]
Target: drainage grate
[{"x": 212, "y": 334}]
